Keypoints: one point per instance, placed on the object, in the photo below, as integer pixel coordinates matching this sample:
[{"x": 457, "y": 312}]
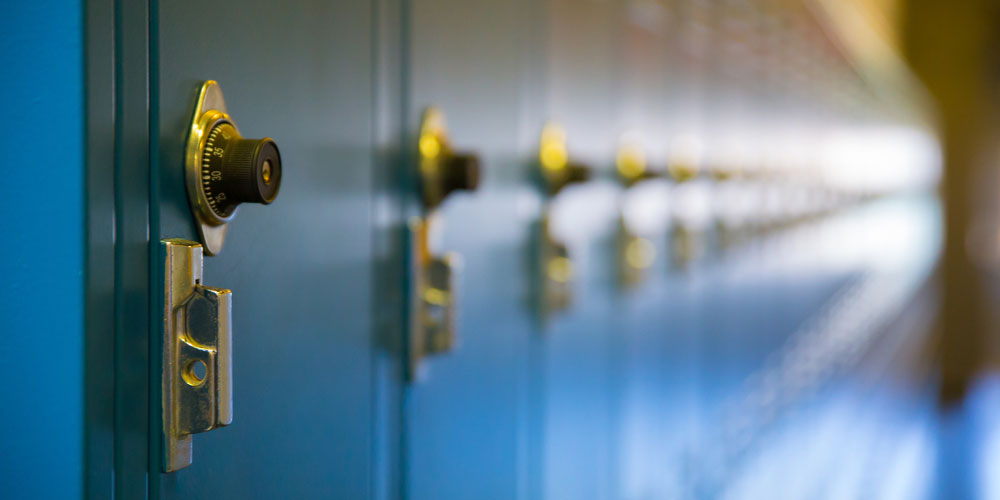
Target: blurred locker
[{"x": 300, "y": 269}]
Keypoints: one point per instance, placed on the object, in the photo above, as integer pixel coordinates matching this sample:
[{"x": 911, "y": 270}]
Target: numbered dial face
[{"x": 235, "y": 170}]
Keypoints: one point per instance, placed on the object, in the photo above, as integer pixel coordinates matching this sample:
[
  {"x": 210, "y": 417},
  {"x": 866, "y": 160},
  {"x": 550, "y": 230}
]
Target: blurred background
[{"x": 826, "y": 293}]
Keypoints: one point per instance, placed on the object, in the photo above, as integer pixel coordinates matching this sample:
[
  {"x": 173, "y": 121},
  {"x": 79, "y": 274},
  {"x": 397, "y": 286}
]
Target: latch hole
[{"x": 195, "y": 372}]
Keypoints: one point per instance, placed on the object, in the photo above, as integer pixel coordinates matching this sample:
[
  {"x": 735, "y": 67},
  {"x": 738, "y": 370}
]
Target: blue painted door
[
  {"x": 523, "y": 408},
  {"x": 465, "y": 419},
  {"x": 301, "y": 269}
]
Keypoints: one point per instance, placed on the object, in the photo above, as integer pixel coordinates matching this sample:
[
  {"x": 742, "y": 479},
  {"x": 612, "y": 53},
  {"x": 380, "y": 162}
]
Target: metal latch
[
  {"x": 433, "y": 301},
  {"x": 197, "y": 353},
  {"x": 553, "y": 287},
  {"x": 432, "y": 276}
]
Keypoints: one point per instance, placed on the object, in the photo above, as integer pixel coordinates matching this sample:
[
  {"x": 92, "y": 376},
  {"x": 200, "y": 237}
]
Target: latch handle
[
  {"x": 439, "y": 304},
  {"x": 197, "y": 353},
  {"x": 205, "y": 360}
]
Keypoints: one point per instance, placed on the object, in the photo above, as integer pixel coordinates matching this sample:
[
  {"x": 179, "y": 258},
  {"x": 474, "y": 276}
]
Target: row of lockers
[{"x": 755, "y": 214}]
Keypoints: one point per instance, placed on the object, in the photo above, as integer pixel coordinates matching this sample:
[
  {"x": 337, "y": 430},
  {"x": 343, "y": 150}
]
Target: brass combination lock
[
  {"x": 433, "y": 301},
  {"x": 224, "y": 169}
]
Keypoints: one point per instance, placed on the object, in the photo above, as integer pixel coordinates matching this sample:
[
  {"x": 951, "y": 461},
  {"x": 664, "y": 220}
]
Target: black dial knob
[
  {"x": 571, "y": 173},
  {"x": 235, "y": 170},
  {"x": 449, "y": 173},
  {"x": 460, "y": 172},
  {"x": 577, "y": 172}
]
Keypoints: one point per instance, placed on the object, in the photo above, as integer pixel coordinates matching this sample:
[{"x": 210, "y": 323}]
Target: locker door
[
  {"x": 464, "y": 418},
  {"x": 580, "y": 365},
  {"x": 300, "y": 269}
]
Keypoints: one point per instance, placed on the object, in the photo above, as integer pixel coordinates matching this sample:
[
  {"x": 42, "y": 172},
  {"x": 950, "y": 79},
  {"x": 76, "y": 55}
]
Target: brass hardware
[
  {"x": 723, "y": 173},
  {"x": 442, "y": 169},
  {"x": 686, "y": 245},
  {"x": 197, "y": 353},
  {"x": 433, "y": 305},
  {"x": 631, "y": 164},
  {"x": 555, "y": 270},
  {"x": 556, "y": 167},
  {"x": 729, "y": 186},
  {"x": 223, "y": 169},
  {"x": 557, "y": 170},
  {"x": 684, "y": 163},
  {"x": 635, "y": 253}
]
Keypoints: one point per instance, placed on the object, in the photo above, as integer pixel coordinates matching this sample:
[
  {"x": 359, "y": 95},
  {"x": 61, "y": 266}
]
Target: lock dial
[
  {"x": 236, "y": 170},
  {"x": 224, "y": 169}
]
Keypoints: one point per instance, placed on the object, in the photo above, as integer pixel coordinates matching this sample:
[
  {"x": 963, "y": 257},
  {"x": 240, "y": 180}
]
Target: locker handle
[{"x": 197, "y": 353}]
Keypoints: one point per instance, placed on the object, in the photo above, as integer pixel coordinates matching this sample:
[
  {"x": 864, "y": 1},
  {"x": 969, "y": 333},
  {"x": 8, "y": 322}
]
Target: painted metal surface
[
  {"x": 301, "y": 268},
  {"x": 99, "y": 155},
  {"x": 464, "y": 419},
  {"x": 42, "y": 197},
  {"x": 622, "y": 395}
]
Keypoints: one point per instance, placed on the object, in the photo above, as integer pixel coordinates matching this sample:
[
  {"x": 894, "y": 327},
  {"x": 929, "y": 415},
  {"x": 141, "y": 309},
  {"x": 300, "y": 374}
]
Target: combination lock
[
  {"x": 224, "y": 169},
  {"x": 442, "y": 169}
]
